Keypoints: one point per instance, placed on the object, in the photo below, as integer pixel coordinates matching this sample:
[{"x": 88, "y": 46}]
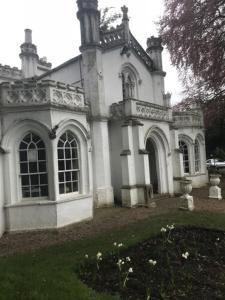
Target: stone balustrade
[
  {"x": 140, "y": 109},
  {"x": 7, "y": 72},
  {"x": 33, "y": 93},
  {"x": 112, "y": 37},
  {"x": 193, "y": 118}
]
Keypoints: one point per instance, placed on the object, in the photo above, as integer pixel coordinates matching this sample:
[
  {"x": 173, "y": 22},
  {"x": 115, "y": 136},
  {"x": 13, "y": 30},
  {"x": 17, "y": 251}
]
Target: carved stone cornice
[
  {"x": 188, "y": 119},
  {"x": 32, "y": 93},
  {"x": 132, "y": 108}
]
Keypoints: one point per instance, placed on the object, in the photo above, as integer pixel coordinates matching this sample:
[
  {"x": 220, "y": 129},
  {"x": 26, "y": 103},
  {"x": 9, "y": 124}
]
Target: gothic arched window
[
  {"x": 68, "y": 163},
  {"x": 197, "y": 156},
  {"x": 33, "y": 170},
  {"x": 184, "y": 149}
]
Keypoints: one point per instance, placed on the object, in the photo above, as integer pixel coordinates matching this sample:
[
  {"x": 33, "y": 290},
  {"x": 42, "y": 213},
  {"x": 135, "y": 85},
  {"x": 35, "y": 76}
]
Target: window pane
[
  {"x": 74, "y": 153},
  {"x": 60, "y": 154},
  {"x": 42, "y": 166},
  {"x": 61, "y": 177},
  {"x": 61, "y": 188},
  {"x": 75, "y": 164},
  {"x": 25, "y": 180},
  {"x": 74, "y": 176},
  {"x": 35, "y": 191},
  {"x": 68, "y": 162},
  {"x": 36, "y": 139},
  {"x": 41, "y": 155},
  {"x": 33, "y": 167},
  {"x": 25, "y": 192},
  {"x": 67, "y": 153},
  {"x": 60, "y": 144},
  {"x": 34, "y": 179},
  {"x": 23, "y": 155},
  {"x": 41, "y": 144},
  {"x": 68, "y": 176},
  {"x": 24, "y": 168},
  {"x": 75, "y": 186},
  {"x": 68, "y": 187},
  {"x": 61, "y": 164},
  {"x": 44, "y": 191},
  {"x": 23, "y": 145},
  {"x": 33, "y": 162},
  {"x": 43, "y": 179},
  {"x": 27, "y": 138}
]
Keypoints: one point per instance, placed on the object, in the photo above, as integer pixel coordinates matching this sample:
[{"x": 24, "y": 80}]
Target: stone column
[
  {"x": 136, "y": 189},
  {"x": 129, "y": 190},
  {"x": 53, "y": 183},
  {"x": 103, "y": 192}
]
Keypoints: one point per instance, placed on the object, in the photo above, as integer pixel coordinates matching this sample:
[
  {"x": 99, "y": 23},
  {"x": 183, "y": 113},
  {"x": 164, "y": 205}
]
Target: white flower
[
  {"x": 170, "y": 227},
  {"x": 120, "y": 245},
  {"x": 86, "y": 255},
  {"x": 130, "y": 270},
  {"x": 152, "y": 262},
  {"x": 115, "y": 244},
  {"x": 99, "y": 256},
  {"x": 218, "y": 239},
  {"x": 185, "y": 255},
  {"x": 163, "y": 229},
  {"x": 128, "y": 258},
  {"x": 120, "y": 263}
]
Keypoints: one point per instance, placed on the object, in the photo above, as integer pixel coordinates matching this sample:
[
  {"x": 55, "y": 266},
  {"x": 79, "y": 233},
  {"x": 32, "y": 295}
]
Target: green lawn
[{"x": 50, "y": 273}]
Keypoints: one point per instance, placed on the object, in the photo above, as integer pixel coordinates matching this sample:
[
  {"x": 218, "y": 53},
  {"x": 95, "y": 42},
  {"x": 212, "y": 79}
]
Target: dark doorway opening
[{"x": 151, "y": 148}]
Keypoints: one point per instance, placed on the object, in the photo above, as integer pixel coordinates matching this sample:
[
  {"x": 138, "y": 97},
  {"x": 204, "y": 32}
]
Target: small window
[
  {"x": 68, "y": 163},
  {"x": 197, "y": 156},
  {"x": 33, "y": 170},
  {"x": 184, "y": 149}
]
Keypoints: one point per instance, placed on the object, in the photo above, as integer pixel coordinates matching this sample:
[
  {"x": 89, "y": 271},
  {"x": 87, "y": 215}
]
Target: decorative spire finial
[{"x": 125, "y": 11}]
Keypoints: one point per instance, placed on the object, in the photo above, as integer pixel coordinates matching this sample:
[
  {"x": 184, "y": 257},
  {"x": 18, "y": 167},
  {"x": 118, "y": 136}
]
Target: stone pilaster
[{"x": 135, "y": 166}]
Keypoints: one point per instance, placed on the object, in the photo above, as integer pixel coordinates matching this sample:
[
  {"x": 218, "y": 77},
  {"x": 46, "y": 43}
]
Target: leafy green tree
[
  {"x": 194, "y": 33},
  {"x": 108, "y": 18}
]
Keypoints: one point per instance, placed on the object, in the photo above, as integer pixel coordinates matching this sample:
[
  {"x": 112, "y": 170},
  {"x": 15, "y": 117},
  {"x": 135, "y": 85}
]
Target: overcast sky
[{"x": 56, "y": 31}]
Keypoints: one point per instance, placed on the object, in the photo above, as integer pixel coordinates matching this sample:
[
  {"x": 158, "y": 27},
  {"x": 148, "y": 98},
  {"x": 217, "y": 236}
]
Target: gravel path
[{"x": 104, "y": 219}]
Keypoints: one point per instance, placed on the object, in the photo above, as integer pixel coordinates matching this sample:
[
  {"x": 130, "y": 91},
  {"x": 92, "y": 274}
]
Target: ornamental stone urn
[
  {"x": 214, "y": 190},
  {"x": 187, "y": 202}
]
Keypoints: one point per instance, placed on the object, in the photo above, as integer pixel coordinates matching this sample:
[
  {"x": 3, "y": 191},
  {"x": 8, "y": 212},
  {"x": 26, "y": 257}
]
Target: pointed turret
[
  {"x": 89, "y": 18},
  {"x": 28, "y": 55},
  {"x": 154, "y": 50},
  {"x": 125, "y": 21}
]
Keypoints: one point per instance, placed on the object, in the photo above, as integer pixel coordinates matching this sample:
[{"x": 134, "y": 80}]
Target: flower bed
[{"x": 179, "y": 263}]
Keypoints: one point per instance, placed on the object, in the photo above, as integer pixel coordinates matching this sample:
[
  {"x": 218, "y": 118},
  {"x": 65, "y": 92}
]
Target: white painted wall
[
  {"x": 112, "y": 66},
  {"x": 2, "y": 217},
  {"x": 68, "y": 73}
]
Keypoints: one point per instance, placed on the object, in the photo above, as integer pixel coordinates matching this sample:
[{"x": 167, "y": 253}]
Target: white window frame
[
  {"x": 68, "y": 164},
  {"x": 183, "y": 146},
  {"x": 30, "y": 168}
]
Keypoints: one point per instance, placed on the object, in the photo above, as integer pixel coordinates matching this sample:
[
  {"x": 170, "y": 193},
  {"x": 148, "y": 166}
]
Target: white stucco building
[{"x": 93, "y": 131}]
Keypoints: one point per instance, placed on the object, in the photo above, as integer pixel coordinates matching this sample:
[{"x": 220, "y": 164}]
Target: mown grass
[{"x": 50, "y": 273}]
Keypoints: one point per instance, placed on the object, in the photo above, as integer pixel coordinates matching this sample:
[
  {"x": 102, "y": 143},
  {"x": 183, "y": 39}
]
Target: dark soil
[{"x": 201, "y": 276}]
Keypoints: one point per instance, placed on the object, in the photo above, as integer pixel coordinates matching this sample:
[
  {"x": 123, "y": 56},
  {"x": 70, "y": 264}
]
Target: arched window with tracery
[
  {"x": 33, "y": 169},
  {"x": 197, "y": 156},
  {"x": 68, "y": 163},
  {"x": 184, "y": 149},
  {"x": 128, "y": 84}
]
